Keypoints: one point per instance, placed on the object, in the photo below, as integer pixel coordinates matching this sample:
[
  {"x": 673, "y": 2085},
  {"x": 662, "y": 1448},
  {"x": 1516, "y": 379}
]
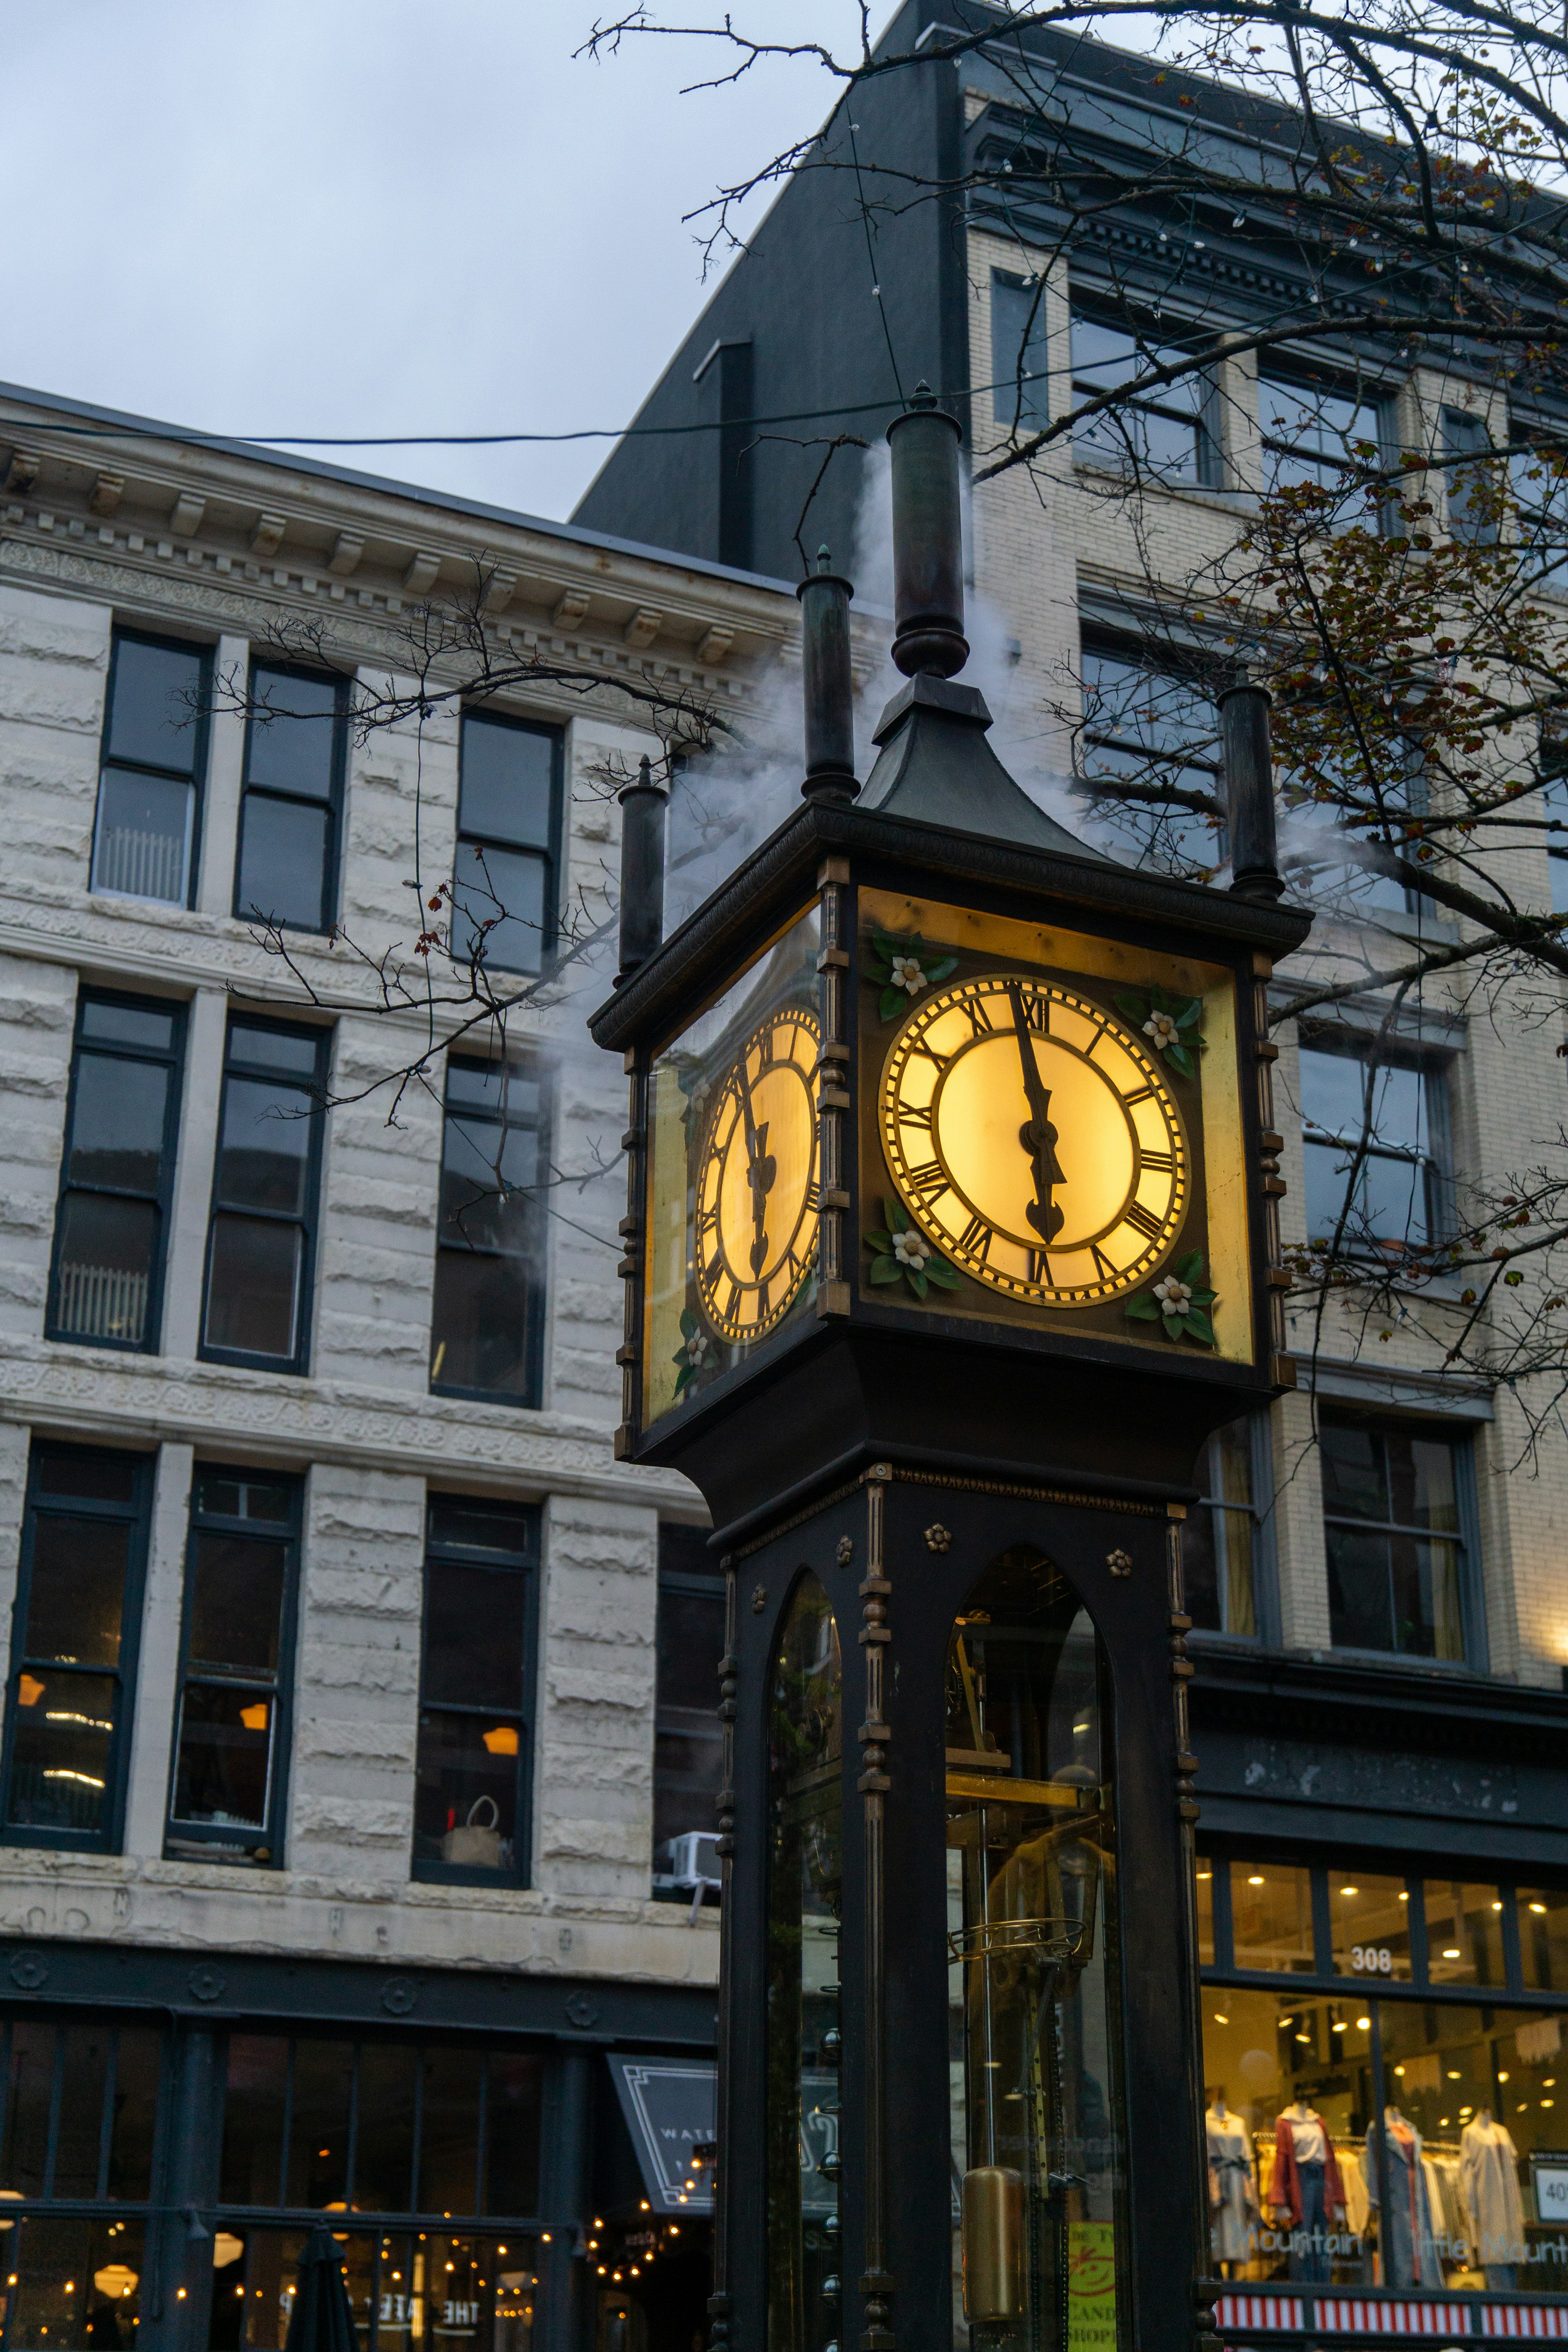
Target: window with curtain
[
  {"x": 509, "y": 823},
  {"x": 231, "y": 1712},
  {"x": 295, "y": 748},
  {"x": 74, "y": 1634},
  {"x": 1371, "y": 1133},
  {"x": 262, "y": 1245},
  {"x": 118, "y": 1173},
  {"x": 1396, "y": 1544},
  {"x": 154, "y": 752}
]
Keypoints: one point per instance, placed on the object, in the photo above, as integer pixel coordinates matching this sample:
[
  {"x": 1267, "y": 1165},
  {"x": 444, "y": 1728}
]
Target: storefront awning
[{"x": 669, "y": 2108}]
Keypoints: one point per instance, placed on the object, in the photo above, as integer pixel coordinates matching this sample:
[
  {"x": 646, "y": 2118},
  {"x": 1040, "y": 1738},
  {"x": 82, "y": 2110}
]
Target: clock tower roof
[{"x": 934, "y": 766}]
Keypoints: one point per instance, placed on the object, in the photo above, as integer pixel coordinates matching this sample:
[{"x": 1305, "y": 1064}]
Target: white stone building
[{"x": 326, "y": 1839}]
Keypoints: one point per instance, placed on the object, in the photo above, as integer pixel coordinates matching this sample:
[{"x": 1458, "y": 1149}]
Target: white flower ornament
[
  {"x": 1162, "y": 1029},
  {"x": 1175, "y": 1297},
  {"x": 907, "y": 975},
  {"x": 912, "y": 1251},
  {"x": 696, "y": 1347}
]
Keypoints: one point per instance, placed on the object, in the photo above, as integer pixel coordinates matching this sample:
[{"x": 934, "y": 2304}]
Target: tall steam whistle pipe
[
  {"x": 1249, "y": 791},
  {"x": 828, "y": 684},
  {"x": 928, "y": 540},
  {"x": 642, "y": 869}
]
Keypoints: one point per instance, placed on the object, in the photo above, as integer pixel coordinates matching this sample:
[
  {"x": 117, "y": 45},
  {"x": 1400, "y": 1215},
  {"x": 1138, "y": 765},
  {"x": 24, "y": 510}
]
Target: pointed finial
[
  {"x": 922, "y": 396},
  {"x": 823, "y": 559}
]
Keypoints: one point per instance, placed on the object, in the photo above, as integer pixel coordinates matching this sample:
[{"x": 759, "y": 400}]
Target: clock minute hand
[
  {"x": 1038, "y": 1135},
  {"x": 761, "y": 1170}
]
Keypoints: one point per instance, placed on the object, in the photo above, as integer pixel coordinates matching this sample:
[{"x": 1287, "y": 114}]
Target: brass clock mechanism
[{"x": 1034, "y": 1141}]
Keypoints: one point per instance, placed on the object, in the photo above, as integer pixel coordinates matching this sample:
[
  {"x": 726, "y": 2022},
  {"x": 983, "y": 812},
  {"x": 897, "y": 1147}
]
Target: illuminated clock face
[
  {"x": 756, "y": 1179},
  {"x": 1034, "y": 1141}
]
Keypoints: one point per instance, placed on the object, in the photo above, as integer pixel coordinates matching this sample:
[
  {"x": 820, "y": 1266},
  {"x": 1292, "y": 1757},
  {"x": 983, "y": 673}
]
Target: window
[
  {"x": 294, "y": 751},
  {"x": 1319, "y": 438},
  {"x": 474, "y": 1771},
  {"x": 1166, "y": 431},
  {"x": 73, "y": 1647},
  {"x": 1475, "y": 494},
  {"x": 1222, "y": 1540},
  {"x": 689, "y": 1746},
  {"x": 1152, "y": 729},
  {"x": 154, "y": 748},
  {"x": 231, "y": 1714},
  {"x": 80, "y": 2101},
  {"x": 509, "y": 823},
  {"x": 1021, "y": 387},
  {"x": 1538, "y": 483},
  {"x": 118, "y": 1173},
  {"x": 486, "y": 1331},
  {"x": 1553, "y": 772},
  {"x": 260, "y": 1247},
  {"x": 1396, "y": 1548},
  {"x": 1346, "y": 1096}
]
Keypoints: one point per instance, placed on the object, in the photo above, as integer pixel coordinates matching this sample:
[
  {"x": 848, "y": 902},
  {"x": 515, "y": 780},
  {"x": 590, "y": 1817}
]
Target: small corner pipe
[
  {"x": 928, "y": 540},
  {"x": 828, "y": 685},
  {"x": 642, "y": 869},
  {"x": 1249, "y": 791}
]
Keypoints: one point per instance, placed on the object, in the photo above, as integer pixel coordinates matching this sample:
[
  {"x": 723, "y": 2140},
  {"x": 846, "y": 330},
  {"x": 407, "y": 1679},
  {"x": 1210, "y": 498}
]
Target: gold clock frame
[{"x": 716, "y": 1212}]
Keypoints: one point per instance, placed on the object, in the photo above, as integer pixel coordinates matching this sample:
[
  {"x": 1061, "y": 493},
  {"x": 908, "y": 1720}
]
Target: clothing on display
[
  {"x": 1307, "y": 2188},
  {"x": 1233, "y": 2190},
  {"x": 1409, "y": 2251},
  {"x": 1489, "y": 2180}
]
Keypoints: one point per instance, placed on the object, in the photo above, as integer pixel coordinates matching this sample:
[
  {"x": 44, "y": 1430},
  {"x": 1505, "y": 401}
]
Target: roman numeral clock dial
[
  {"x": 756, "y": 1180},
  {"x": 1034, "y": 1142}
]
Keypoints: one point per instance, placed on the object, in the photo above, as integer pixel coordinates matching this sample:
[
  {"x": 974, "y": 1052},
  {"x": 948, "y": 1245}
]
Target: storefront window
[
  {"x": 1288, "y": 2093},
  {"x": 805, "y": 1898},
  {"x": 1544, "y": 1938},
  {"x": 1370, "y": 1919},
  {"x": 1463, "y": 1933},
  {"x": 1031, "y": 1920},
  {"x": 410, "y": 2290},
  {"x": 1271, "y": 1916},
  {"x": 1205, "y": 1911}
]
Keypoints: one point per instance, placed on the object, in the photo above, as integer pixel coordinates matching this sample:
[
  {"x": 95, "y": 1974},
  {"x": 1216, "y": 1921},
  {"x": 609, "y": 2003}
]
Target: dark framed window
[
  {"x": 1537, "y": 484},
  {"x": 1397, "y": 1529},
  {"x": 689, "y": 1745},
  {"x": 474, "y": 1773},
  {"x": 74, "y": 1628},
  {"x": 1165, "y": 432},
  {"x": 508, "y": 834},
  {"x": 1152, "y": 726},
  {"x": 121, "y": 1128},
  {"x": 1225, "y": 1542},
  {"x": 154, "y": 754},
  {"x": 78, "y": 2104},
  {"x": 1020, "y": 377},
  {"x": 231, "y": 1708},
  {"x": 487, "y": 1330},
  {"x": 1475, "y": 494},
  {"x": 1393, "y": 1181},
  {"x": 262, "y": 1245},
  {"x": 1320, "y": 435},
  {"x": 1552, "y": 767},
  {"x": 295, "y": 754}
]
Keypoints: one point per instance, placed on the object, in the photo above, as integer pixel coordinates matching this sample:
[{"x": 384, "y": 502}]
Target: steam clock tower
[{"x": 952, "y": 1234}]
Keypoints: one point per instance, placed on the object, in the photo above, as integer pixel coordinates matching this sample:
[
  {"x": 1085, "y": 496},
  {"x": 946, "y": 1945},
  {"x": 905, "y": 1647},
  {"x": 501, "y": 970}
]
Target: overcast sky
[{"x": 272, "y": 216}]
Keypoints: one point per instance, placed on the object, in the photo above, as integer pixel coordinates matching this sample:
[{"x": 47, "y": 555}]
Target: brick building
[
  {"x": 1376, "y": 1568},
  {"x": 339, "y": 1654}
]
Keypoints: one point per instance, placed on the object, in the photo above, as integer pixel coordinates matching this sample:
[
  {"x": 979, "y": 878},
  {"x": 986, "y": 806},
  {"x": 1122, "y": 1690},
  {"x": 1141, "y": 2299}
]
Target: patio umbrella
[{"x": 322, "y": 2319}]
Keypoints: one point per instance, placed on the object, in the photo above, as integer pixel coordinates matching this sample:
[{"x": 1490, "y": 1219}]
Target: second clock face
[
  {"x": 756, "y": 1179},
  {"x": 1034, "y": 1141}
]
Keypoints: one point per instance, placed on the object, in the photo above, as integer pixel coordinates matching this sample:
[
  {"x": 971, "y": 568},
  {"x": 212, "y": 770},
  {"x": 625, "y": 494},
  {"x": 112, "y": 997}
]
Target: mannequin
[
  {"x": 1489, "y": 2182},
  {"x": 1306, "y": 2190},
  {"x": 1409, "y": 2254},
  {"x": 1233, "y": 2192}
]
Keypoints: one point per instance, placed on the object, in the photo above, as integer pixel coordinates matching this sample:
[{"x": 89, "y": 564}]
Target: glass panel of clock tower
[
  {"x": 804, "y": 1888},
  {"x": 1036, "y": 2135},
  {"x": 733, "y": 1175}
]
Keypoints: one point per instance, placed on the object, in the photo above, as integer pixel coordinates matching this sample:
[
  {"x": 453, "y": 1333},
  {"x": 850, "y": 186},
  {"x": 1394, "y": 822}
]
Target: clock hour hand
[
  {"x": 1038, "y": 1135},
  {"x": 761, "y": 1170}
]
